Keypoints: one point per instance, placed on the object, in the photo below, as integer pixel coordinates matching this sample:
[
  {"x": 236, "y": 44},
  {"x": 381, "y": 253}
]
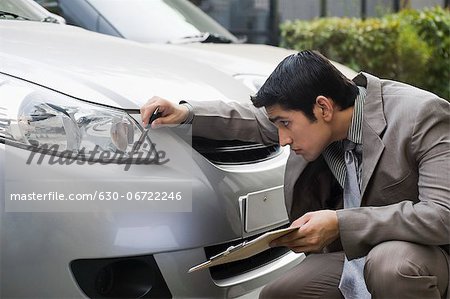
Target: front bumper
[{"x": 38, "y": 248}]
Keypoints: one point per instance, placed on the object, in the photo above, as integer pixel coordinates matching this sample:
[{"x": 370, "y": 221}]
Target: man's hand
[
  {"x": 170, "y": 113},
  {"x": 316, "y": 230}
]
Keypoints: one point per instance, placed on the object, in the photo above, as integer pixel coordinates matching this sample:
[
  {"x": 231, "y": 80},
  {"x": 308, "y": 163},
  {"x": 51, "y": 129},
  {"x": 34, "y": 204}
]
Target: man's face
[{"x": 307, "y": 138}]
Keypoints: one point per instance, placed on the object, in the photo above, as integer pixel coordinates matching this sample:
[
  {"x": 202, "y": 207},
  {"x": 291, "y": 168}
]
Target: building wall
[
  {"x": 251, "y": 17},
  {"x": 420, "y": 4},
  {"x": 309, "y": 9}
]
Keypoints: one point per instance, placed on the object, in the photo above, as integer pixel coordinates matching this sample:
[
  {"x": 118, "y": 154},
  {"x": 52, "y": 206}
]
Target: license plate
[{"x": 265, "y": 209}]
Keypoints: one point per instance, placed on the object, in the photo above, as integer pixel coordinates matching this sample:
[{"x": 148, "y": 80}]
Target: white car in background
[{"x": 176, "y": 22}]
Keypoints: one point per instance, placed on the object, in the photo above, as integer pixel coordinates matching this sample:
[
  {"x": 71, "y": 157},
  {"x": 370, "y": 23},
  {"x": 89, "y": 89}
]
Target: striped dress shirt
[{"x": 334, "y": 153}]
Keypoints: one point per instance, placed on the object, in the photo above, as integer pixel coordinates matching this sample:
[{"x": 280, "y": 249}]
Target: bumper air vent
[{"x": 128, "y": 277}]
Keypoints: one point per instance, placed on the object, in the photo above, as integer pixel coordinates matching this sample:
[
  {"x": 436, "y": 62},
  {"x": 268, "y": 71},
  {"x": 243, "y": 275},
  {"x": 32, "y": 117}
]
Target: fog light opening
[{"x": 125, "y": 279}]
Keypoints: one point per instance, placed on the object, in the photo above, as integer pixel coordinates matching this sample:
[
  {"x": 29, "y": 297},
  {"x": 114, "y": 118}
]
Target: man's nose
[{"x": 284, "y": 138}]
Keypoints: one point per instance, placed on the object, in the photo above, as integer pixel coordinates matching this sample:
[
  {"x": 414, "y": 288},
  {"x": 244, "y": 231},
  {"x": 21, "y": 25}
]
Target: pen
[{"x": 156, "y": 114}]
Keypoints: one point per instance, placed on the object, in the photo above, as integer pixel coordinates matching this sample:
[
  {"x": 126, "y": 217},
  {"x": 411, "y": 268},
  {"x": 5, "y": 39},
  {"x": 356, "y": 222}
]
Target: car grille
[
  {"x": 234, "y": 151},
  {"x": 232, "y": 269}
]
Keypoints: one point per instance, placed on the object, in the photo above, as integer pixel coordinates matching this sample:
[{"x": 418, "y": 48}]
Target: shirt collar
[{"x": 355, "y": 130}]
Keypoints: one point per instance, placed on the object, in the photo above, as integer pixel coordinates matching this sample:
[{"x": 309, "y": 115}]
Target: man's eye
[{"x": 285, "y": 123}]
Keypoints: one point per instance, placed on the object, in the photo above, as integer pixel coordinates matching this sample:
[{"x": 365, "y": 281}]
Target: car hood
[
  {"x": 235, "y": 59},
  {"x": 107, "y": 70},
  {"x": 248, "y": 58}
]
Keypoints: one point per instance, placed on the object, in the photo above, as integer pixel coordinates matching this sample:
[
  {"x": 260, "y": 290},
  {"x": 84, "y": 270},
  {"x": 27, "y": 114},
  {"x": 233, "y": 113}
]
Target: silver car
[{"x": 79, "y": 91}]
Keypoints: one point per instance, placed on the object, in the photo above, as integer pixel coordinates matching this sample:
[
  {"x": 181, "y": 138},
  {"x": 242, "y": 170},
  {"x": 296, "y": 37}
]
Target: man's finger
[
  {"x": 147, "y": 111},
  {"x": 149, "y": 108},
  {"x": 300, "y": 249},
  {"x": 161, "y": 121},
  {"x": 291, "y": 237},
  {"x": 302, "y": 220}
]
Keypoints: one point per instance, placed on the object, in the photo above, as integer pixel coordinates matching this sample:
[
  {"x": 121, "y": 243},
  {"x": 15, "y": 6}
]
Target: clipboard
[{"x": 244, "y": 250}]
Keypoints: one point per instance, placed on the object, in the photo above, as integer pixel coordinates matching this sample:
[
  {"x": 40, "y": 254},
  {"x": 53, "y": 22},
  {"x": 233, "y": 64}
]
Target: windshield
[
  {"x": 25, "y": 10},
  {"x": 159, "y": 21}
]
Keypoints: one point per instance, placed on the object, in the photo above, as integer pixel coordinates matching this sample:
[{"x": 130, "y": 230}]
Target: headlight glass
[
  {"x": 254, "y": 82},
  {"x": 34, "y": 116}
]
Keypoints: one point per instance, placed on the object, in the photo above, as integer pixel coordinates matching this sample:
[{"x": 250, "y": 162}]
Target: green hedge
[{"x": 410, "y": 46}]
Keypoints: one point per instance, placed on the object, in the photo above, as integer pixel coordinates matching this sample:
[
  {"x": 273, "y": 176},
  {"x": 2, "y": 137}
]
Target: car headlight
[
  {"x": 32, "y": 117},
  {"x": 254, "y": 82}
]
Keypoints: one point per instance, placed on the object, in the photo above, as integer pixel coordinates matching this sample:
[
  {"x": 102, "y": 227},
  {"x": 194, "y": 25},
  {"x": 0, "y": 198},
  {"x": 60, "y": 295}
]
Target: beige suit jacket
[{"x": 406, "y": 165}]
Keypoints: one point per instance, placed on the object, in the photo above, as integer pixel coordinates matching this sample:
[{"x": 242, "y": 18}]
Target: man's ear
[{"x": 325, "y": 107}]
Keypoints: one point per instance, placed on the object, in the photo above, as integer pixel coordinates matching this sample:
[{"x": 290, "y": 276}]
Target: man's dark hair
[{"x": 300, "y": 78}]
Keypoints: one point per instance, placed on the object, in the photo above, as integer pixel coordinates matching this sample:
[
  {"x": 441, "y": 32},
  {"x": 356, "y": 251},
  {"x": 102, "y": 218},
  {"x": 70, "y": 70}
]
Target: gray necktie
[{"x": 352, "y": 284}]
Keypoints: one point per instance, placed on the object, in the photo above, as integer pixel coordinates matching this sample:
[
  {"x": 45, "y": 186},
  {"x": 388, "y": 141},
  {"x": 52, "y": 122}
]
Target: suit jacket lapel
[
  {"x": 373, "y": 126},
  {"x": 371, "y": 154}
]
